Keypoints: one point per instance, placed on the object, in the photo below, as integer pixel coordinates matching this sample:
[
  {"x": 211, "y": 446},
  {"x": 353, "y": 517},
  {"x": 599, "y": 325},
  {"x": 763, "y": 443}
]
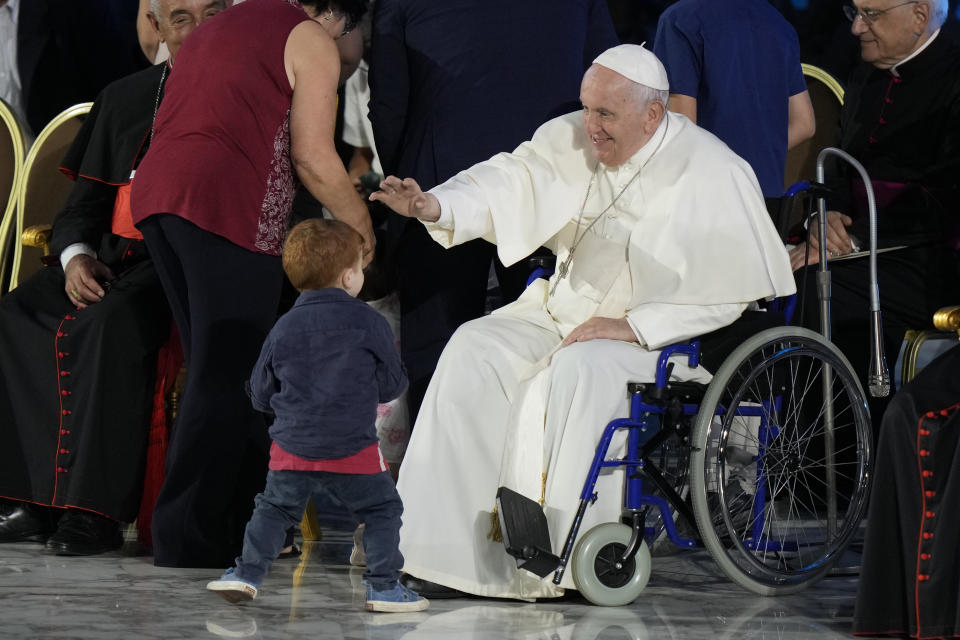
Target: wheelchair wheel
[
  {"x": 595, "y": 570},
  {"x": 772, "y": 510}
]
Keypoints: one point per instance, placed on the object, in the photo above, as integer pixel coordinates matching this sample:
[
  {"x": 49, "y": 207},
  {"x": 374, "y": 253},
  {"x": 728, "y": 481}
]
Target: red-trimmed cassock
[
  {"x": 77, "y": 386},
  {"x": 910, "y": 579}
]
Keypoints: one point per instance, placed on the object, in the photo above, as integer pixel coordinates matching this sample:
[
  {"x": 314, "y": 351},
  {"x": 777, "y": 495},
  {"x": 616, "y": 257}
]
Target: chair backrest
[
  {"x": 43, "y": 188},
  {"x": 826, "y": 93},
  {"x": 13, "y": 148}
]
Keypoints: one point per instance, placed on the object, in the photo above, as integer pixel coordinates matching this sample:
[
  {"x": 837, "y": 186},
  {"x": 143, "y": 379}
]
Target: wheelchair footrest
[{"x": 525, "y": 532}]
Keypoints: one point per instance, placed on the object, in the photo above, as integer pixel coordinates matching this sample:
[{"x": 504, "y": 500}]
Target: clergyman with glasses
[{"x": 901, "y": 120}]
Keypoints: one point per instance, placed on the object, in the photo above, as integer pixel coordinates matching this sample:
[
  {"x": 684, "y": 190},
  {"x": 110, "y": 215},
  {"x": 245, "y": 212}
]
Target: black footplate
[{"x": 525, "y": 532}]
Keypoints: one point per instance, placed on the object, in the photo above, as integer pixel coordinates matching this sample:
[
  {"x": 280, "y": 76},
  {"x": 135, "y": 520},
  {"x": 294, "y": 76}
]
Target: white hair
[
  {"x": 645, "y": 95},
  {"x": 155, "y": 8}
]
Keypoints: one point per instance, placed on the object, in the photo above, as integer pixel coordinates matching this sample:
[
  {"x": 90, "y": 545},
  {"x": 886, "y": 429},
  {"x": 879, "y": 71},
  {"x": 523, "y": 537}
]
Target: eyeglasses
[{"x": 870, "y": 15}]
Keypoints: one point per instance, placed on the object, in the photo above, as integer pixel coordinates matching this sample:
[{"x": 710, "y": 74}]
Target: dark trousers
[
  {"x": 372, "y": 498},
  {"x": 913, "y": 284},
  {"x": 439, "y": 290},
  {"x": 224, "y": 300}
]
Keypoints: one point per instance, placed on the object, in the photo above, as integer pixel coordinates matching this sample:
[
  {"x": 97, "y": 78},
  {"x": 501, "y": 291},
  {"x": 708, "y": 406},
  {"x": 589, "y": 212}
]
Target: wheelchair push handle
[{"x": 878, "y": 378}]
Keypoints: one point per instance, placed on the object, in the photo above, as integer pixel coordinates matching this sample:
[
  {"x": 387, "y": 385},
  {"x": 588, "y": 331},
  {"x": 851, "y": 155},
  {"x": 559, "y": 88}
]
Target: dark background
[{"x": 825, "y": 39}]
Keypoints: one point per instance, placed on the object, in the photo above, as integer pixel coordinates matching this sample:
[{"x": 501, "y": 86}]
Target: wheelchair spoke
[{"x": 765, "y": 459}]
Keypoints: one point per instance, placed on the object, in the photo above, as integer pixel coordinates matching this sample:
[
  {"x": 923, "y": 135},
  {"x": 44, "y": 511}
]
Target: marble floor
[{"x": 318, "y": 596}]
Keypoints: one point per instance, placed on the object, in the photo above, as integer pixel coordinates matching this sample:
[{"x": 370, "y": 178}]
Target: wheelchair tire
[
  {"x": 594, "y": 568},
  {"x": 760, "y": 493}
]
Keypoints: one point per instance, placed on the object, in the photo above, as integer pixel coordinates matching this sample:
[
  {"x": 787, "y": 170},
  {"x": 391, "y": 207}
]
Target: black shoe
[
  {"x": 26, "y": 522},
  {"x": 81, "y": 533},
  {"x": 429, "y": 590}
]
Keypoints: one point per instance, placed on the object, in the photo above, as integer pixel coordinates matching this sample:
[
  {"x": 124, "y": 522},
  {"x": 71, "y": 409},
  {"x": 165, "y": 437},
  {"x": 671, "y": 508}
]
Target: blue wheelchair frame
[{"x": 644, "y": 425}]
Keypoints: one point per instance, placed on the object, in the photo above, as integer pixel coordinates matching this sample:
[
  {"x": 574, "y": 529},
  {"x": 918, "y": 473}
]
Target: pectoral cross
[{"x": 562, "y": 271}]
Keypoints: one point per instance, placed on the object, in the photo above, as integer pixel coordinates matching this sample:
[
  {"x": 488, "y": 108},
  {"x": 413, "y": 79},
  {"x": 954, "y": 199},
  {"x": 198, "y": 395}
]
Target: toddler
[{"x": 324, "y": 367}]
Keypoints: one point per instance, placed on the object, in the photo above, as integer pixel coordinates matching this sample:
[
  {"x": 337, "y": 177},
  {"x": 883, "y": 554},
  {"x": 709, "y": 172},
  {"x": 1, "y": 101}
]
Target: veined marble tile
[{"x": 121, "y": 595}]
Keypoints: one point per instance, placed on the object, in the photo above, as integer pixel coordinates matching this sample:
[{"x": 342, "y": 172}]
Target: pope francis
[{"x": 661, "y": 235}]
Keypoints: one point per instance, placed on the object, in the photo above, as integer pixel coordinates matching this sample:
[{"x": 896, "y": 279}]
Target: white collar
[
  {"x": 645, "y": 152},
  {"x": 893, "y": 70}
]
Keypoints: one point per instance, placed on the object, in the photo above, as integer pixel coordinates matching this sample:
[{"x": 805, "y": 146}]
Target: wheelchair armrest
[
  {"x": 37, "y": 236},
  {"x": 689, "y": 349},
  {"x": 541, "y": 266}
]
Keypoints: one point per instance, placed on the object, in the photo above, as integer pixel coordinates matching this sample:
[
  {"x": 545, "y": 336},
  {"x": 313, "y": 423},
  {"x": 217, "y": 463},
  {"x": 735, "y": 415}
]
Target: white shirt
[
  {"x": 10, "y": 87},
  {"x": 357, "y": 128}
]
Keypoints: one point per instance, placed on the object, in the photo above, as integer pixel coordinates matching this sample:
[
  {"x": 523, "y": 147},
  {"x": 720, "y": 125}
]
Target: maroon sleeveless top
[{"x": 220, "y": 156}]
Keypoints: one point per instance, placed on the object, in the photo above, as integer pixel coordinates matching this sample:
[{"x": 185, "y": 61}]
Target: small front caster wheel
[{"x": 595, "y": 566}]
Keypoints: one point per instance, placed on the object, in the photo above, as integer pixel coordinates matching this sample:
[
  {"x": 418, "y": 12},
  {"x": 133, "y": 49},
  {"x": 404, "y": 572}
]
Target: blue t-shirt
[{"x": 740, "y": 59}]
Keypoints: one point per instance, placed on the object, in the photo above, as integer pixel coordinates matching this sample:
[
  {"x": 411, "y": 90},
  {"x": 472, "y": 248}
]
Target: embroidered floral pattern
[{"x": 281, "y": 187}]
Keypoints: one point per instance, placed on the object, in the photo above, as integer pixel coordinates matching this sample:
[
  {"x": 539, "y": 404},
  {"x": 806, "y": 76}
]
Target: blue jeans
[{"x": 372, "y": 498}]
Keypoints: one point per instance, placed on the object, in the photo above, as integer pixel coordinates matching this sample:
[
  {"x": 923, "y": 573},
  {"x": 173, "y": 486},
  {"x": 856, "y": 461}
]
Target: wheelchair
[{"x": 767, "y": 466}]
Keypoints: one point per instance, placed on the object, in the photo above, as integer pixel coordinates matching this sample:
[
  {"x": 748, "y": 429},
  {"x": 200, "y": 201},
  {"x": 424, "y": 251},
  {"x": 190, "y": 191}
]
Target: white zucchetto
[{"x": 635, "y": 63}]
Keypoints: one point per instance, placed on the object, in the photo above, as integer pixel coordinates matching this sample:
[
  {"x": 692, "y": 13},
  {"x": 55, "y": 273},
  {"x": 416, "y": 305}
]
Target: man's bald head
[{"x": 174, "y": 20}]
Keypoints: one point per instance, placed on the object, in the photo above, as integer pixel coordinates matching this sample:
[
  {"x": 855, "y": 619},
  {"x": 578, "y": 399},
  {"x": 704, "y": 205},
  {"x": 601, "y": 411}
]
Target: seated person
[
  {"x": 661, "y": 235},
  {"x": 901, "y": 120},
  {"x": 322, "y": 370},
  {"x": 910, "y": 576},
  {"x": 73, "y": 431}
]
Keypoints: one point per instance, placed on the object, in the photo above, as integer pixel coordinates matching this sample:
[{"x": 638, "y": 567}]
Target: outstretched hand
[{"x": 406, "y": 198}]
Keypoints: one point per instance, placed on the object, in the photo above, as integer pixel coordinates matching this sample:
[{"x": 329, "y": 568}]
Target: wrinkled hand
[
  {"x": 601, "y": 328},
  {"x": 838, "y": 241},
  {"x": 406, "y": 198},
  {"x": 83, "y": 276}
]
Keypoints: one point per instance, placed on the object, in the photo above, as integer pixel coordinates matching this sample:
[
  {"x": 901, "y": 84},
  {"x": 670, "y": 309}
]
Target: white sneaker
[
  {"x": 232, "y": 588},
  {"x": 358, "y": 556}
]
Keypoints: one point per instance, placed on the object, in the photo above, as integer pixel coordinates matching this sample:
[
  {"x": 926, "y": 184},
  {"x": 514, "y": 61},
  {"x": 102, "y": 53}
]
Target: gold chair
[
  {"x": 42, "y": 191},
  {"x": 947, "y": 323},
  {"x": 826, "y": 94},
  {"x": 13, "y": 148}
]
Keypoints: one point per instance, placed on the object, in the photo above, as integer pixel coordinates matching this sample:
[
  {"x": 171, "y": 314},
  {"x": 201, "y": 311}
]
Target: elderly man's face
[
  {"x": 617, "y": 125},
  {"x": 178, "y": 18},
  {"x": 892, "y": 35}
]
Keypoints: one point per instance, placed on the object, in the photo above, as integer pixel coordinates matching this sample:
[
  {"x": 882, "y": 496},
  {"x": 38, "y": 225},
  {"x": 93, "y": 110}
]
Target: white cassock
[{"x": 685, "y": 248}]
